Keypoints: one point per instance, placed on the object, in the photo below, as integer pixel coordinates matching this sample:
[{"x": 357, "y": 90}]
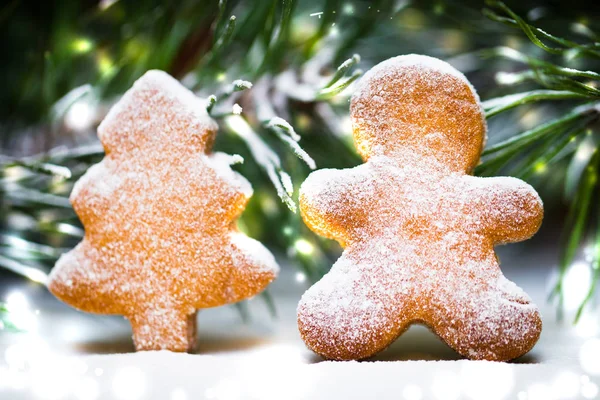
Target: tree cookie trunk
[{"x": 164, "y": 330}]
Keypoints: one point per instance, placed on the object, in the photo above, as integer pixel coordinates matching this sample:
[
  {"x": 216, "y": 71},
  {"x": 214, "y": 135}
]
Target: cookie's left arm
[
  {"x": 511, "y": 209},
  {"x": 328, "y": 200}
]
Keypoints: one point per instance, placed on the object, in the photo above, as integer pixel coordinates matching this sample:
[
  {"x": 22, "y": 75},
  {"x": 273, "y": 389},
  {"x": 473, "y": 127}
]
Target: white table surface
[{"x": 71, "y": 355}]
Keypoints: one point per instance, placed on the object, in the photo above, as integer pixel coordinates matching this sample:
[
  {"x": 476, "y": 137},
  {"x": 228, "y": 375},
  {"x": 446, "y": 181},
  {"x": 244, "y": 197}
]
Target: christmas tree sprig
[
  {"x": 571, "y": 138},
  {"x": 208, "y": 47}
]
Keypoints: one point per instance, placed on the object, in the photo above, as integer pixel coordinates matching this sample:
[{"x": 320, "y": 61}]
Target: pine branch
[
  {"x": 533, "y": 32},
  {"x": 498, "y": 105},
  {"x": 518, "y": 141},
  {"x": 6, "y": 324},
  {"x": 577, "y": 125}
]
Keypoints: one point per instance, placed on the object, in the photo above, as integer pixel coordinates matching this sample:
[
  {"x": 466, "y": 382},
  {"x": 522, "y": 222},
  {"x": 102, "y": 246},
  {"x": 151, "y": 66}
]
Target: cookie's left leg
[{"x": 493, "y": 322}]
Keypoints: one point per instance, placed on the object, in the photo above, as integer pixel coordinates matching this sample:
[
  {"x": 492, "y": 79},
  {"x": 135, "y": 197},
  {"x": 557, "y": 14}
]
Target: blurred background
[{"x": 291, "y": 67}]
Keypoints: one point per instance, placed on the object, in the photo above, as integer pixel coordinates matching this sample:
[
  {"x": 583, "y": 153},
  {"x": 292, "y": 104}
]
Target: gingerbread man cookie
[
  {"x": 159, "y": 214},
  {"x": 418, "y": 230}
]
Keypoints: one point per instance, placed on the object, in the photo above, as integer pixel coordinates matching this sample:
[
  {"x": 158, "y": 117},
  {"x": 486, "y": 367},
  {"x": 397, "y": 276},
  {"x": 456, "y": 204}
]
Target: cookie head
[
  {"x": 421, "y": 105},
  {"x": 157, "y": 112}
]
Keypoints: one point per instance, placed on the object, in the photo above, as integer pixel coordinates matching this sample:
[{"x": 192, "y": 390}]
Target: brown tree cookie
[
  {"x": 418, "y": 231},
  {"x": 159, "y": 214}
]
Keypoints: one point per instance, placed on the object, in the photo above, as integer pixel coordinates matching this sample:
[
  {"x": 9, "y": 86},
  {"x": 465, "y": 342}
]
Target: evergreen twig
[{"x": 554, "y": 136}]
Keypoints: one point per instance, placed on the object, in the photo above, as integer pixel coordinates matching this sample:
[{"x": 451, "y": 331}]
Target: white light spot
[
  {"x": 129, "y": 383},
  {"x": 347, "y": 125},
  {"x": 80, "y": 116},
  {"x": 237, "y": 109},
  {"x": 104, "y": 4},
  {"x": 576, "y": 285},
  {"x": 566, "y": 385},
  {"x": 589, "y": 356},
  {"x": 348, "y": 8},
  {"x": 507, "y": 78},
  {"x": 300, "y": 277},
  {"x": 23, "y": 319},
  {"x": 304, "y": 247},
  {"x": 317, "y": 14},
  {"x": 588, "y": 325},
  {"x": 412, "y": 392},
  {"x": 585, "y": 150},
  {"x": 82, "y": 45},
  {"x": 16, "y": 301},
  {"x": 589, "y": 390}
]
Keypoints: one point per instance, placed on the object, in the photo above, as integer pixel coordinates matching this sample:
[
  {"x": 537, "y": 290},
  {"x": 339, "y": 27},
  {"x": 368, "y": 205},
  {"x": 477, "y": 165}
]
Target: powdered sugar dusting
[
  {"x": 236, "y": 109},
  {"x": 159, "y": 214},
  {"x": 221, "y": 165},
  {"x": 418, "y": 231}
]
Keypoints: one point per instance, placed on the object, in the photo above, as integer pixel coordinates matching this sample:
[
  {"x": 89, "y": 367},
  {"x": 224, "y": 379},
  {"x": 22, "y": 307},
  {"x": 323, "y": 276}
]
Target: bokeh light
[
  {"x": 300, "y": 277},
  {"x": 589, "y": 356},
  {"x": 80, "y": 116},
  {"x": 304, "y": 247},
  {"x": 589, "y": 390},
  {"x": 576, "y": 285},
  {"x": 566, "y": 385}
]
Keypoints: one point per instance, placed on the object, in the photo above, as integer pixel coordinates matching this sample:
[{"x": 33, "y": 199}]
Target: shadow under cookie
[
  {"x": 206, "y": 345},
  {"x": 418, "y": 343}
]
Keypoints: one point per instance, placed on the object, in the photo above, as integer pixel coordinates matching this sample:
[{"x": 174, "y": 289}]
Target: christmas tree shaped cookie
[
  {"x": 159, "y": 214},
  {"x": 418, "y": 230}
]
